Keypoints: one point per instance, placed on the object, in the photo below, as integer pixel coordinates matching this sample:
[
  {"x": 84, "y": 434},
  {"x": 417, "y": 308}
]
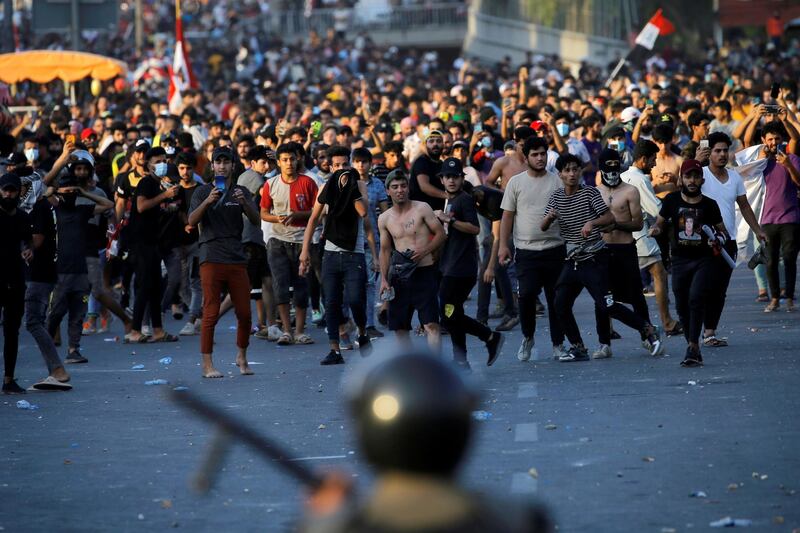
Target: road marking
[
  {"x": 319, "y": 458},
  {"x": 523, "y": 483},
  {"x": 526, "y": 433},
  {"x": 527, "y": 390}
]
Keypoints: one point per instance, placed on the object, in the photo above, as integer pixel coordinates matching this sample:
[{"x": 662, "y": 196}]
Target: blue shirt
[{"x": 376, "y": 193}]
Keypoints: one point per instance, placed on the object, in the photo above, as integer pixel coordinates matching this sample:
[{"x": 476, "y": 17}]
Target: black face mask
[
  {"x": 9, "y": 204},
  {"x": 691, "y": 194}
]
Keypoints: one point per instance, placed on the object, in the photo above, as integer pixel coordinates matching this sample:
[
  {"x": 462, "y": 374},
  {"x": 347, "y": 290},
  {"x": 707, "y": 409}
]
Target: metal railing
[
  {"x": 603, "y": 18},
  {"x": 400, "y": 18}
]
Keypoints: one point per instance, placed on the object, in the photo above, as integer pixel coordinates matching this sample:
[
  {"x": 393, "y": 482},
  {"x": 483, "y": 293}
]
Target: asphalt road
[{"x": 618, "y": 445}]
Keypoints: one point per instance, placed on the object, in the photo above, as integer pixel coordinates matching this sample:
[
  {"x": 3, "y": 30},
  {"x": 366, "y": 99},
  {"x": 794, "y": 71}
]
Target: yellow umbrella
[{"x": 43, "y": 66}]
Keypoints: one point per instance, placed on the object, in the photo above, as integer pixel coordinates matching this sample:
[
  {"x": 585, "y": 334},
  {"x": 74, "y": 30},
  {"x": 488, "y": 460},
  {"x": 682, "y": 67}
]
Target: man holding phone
[
  {"x": 217, "y": 208},
  {"x": 780, "y": 215}
]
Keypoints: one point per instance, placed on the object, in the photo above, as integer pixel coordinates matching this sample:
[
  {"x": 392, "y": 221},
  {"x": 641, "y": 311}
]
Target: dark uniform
[{"x": 413, "y": 416}]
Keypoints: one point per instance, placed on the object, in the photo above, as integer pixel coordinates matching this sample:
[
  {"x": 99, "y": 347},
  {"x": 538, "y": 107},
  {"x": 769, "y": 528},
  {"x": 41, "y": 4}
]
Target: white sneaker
[
  {"x": 274, "y": 333},
  {"x": 147, "y": 331},
  {"x": 188, "y": 329},
  {"x": 525, "y": 349},
  {"x": 558, "y": 351},
  {"x": 602, "y": 352}
]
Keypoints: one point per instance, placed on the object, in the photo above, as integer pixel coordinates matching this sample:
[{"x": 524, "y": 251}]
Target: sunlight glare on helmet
[{"x": 385, "y": 407}]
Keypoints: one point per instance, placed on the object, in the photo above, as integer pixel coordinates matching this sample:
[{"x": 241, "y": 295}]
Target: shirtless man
[
  {"x": 512, "y": 164},
  {"x": 410, "y": 233},
  {"x": 624, "y": 281}
]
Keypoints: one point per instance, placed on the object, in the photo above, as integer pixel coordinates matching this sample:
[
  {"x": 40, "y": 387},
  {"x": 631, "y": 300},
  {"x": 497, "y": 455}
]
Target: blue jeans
[
  {"x": 343, "y": 283},
  {"x": 373, "y": 281}
]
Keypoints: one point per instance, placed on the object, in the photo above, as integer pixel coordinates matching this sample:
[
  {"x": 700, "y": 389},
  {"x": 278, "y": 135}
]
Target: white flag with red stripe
[
  {"x": 181, "y": 76},
  {"x": 657, "y": 25}
]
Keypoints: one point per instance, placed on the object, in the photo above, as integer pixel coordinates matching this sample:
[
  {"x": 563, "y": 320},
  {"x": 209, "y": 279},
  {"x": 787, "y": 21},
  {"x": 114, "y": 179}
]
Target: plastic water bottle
[
  {"x": 25, "y": 404},
  {"x": 165, "y": 360},
  {"x": 157, "y": 382}
]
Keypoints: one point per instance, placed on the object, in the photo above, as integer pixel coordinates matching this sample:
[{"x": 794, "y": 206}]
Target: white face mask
[
  {"x": 562, "y": 129},
  {"x": 160, "y": 170},
  {"x": 32, "y": 154}
]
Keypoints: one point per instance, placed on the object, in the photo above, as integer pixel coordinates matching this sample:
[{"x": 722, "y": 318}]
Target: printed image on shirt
[{"x": 690, "y": 222}]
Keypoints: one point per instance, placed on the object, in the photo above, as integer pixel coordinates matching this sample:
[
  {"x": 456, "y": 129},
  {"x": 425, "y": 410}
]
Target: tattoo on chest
[{"x": 408, "y": 225}]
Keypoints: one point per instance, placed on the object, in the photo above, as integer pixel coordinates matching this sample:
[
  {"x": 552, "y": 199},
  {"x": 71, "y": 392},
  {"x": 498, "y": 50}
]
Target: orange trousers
[{"x": 213, "y": 278}]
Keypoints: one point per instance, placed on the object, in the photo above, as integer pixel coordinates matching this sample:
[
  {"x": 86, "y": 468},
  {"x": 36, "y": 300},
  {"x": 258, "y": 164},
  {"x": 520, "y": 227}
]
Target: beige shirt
[{"x": 527, "y": 197}]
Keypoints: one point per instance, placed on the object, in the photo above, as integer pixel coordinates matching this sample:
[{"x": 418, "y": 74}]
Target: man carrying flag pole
[
  {"x": 657, "y": 25},
  {"x": 181, "y": 76}
]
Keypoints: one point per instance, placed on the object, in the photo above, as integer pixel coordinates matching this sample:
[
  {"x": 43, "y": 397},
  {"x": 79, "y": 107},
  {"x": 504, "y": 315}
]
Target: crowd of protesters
[{"x": 336, "y": 183}]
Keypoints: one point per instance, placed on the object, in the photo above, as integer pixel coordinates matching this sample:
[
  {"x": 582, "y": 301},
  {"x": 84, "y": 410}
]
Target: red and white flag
[
  {"x": 181, "y": 76},
  {"x": 657, "y": 25}
]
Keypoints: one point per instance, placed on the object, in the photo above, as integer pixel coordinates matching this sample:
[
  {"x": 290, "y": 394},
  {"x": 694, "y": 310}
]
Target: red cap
[
  {"x": 689, "y": 165},
  {"x": 86, "y": 133},
  {"x": 538, "y": 125}
]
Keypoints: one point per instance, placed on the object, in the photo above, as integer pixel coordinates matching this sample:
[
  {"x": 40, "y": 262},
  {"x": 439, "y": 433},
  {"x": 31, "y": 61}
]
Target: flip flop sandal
[
  {"x": 167, "y": 337},
  {"x": 285, "y": 340},
  {"x": 130, "y": 340},
  {"x": 50, "y": 384},
  {"x": 712, "y": 341},
  {"x": 675, "y": 331},
  {"x": 304, "y": 339},
  {"x": 771, "y": 308}
]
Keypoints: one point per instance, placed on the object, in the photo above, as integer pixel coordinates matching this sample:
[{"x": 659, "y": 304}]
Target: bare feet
[
  {"x": 244, "y": 368},
  {"x": 211, "y": 372},
  {"x": 61, "y": 375},
  {"x": 208, "y": 367},
  {"x": 790, "y": 308},
  {"x": 773, "y": 306}
]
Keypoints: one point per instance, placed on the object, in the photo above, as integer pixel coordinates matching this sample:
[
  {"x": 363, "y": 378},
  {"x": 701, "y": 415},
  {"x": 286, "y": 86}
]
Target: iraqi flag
[
  {"x": 657, "y": 25},
  {"x": 181, "y": 76}
]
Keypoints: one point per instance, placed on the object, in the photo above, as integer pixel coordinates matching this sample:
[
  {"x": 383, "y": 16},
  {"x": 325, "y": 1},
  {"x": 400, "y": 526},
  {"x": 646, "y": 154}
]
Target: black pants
[
  {"x": 537, "y": 270},
  {"x": 453, "y": 292},
  {"x": 722, "y": 277},
  {"x": 624, "y": 279},
  {"x": 782, "y": 241},
  {"x": 592, "y": 274},
  {"x": 692, "y": 285},
  {"x": 147, "y": 264},
  {"x": 12, "y": 302}
]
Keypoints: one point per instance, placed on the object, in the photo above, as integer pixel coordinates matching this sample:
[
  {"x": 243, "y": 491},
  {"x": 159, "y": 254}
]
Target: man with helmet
[
  {"x": 623, "y": 201},
  {"x": 72, "y": 289},
  {"x": 413, "y": 417}
]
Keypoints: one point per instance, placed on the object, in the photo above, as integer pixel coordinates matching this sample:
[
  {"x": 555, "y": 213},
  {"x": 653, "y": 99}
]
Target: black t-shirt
[
  {"x": 72, "y": 236},
  {"x": 460, "y": 252},
  {"x": 186, "y": 194},
  {"x": 425, "y": 165},
  {"x": 15, "y": 230},
  {"x": 43, "y": 265},
  {"x": 489, "y": 206},
  {"x": 221, "y": 226},
  {"x": 687, "y": 239},
  {"x": 171, "y": 221},
  {"x": 144, "y": 226}
]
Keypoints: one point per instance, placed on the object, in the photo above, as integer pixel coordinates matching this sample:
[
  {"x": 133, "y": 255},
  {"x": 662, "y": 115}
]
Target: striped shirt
[{"x": 575, "y": 211}]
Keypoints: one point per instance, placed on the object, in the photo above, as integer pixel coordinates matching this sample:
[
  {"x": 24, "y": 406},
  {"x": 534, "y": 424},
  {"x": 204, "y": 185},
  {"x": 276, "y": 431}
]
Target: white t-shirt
[
  {"x": 725, "y": 195},
  {"x": 527, "y": 197},
  {"x": 646, "y": 246}
]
